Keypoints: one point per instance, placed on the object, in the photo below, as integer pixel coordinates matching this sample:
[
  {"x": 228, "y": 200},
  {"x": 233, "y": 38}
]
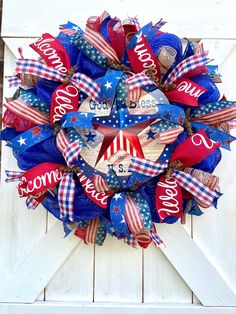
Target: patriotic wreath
[{"x": 116, "y": 128}]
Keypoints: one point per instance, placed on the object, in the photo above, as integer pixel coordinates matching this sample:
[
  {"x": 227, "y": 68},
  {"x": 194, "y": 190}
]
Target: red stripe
[
  {"x": 62, "y": 140},
  {"x": 27, "y": 112},
  {"x": 92, "y": 231},
  {"x": 133, "y": 216},
  {"x": 219, "y": 116},
  {"x": 99, "y": 42}
]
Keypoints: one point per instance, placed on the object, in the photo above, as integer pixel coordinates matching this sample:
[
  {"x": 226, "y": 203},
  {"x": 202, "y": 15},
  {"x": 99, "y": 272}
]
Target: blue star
[
  {"x": 90, "y": 136},
  {"x": 151, "y": 134},
  {"x": 209, "y": 132},
  {"x": 167, "y": 115}
]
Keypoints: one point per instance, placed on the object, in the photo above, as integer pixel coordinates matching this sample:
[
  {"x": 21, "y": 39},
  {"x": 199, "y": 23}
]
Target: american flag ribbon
[
  {"x": 187, "y": 65},
  {"x": 79, "y": 80},
  {"x": 100, "y": 184},
  {"x": 196, "y": 187},
  {"x": 66, "y": 193},
  {"x": 214, "y": 113},
  {"x": 131, "y": 242},
  {"x": 13, "y": 81},
  {"x": 134, "y": 94},
  {"x": 27, "y": 112},
  {"x": 91, "y": 231},
  {"x": 62, "y": 140},
  {"x": 99, "y": 42},
  {"x": 13, "y": 176},
  {"x": 67, "y": 31},
  {"x": 133, "y": 216},
  {"x": 146, "y": 167},
  {"x": 31, "y": 202},
  {"x": 169, "y": 136},
  {"x": 138, "y": 80}
]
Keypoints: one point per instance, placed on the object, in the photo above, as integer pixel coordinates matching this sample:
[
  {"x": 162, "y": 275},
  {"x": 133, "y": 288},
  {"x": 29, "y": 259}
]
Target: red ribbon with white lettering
[
  {"x": 53, "y": 53},
  {"x": 142, "y": 57},
  {"x": 168, "y": 190},
  {"x": 198, "y": 142},
  {"x": 186, "y": 92},
  {"x": 65, "y": 97},
  {"x": 40, "y": 178}
]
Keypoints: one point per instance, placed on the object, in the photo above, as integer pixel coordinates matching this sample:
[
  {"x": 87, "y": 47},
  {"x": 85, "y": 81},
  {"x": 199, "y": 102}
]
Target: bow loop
[{"x": 80, "y": 80}]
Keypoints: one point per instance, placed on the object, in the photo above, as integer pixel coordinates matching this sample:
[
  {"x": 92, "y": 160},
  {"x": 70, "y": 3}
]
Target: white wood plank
[
  {"x": 39, "y": 267},
  {"x": 162, "y": 283},
  {"x": 20, "y": 230},
  {"x": 74, "y": 280},
  {"x": 110, "y": 308},
  {"x": 187, "y": 18},
  {"x": 118, "y": 272},
  {"x": 195, "y": 268}
]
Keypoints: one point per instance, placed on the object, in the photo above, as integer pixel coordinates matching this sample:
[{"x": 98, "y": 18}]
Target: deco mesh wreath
[{"x": 116, "y": 128}]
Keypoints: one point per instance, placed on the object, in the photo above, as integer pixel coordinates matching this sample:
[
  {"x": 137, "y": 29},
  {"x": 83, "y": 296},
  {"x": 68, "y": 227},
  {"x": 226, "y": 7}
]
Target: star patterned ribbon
[
  {"x": 129, "y": 211},
  {"x": 79, "y": 80},
  {"x": 30, "y": 138}
]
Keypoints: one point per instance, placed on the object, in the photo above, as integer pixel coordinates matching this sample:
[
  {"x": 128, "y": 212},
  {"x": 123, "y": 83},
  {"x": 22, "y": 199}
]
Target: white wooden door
[{"x": 195, "y": 272}]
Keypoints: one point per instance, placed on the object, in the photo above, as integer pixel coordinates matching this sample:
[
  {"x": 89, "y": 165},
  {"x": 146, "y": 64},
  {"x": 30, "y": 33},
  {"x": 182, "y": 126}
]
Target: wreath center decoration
[{"x": 116, "y": 128}]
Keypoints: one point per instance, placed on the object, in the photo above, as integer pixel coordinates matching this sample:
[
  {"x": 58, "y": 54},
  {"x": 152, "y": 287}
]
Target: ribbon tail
[
  {"x": 13, "y": 81},
  {"x": 91, "y": 231},
  {"x": 66, "y": 193},
  {"x": 117, "y": 214},
  {"x": 196, "y": 188},
  {"x": 13, "y": 176}
]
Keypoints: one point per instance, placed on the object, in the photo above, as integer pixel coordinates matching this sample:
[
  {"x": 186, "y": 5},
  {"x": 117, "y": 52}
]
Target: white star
[
  {"x": 84, "y": 114},
  {"x": 117, "y": 196},
  {"x": 108, "y": 85},
  {"x": 76, "y": 28},
  {"x": 22, "y": 141},
  {"x": 123, "y": 219}
]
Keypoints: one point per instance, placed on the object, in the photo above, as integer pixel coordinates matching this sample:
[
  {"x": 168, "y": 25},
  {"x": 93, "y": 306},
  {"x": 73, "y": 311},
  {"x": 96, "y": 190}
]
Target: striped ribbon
[
  {"x": 99, "y": 42},
  {"x": 138, "y": 80},
  {"x": 187, "y": 65},
  {"x": 62, "y": 140},
  {"x": 133, "y": 216},
  {"x": 100, "y": 184},
  {"x": 214, "y": 113},
  {"x": 185, "y": 180},
  {"x": 91, "y": 231},
  {"x": 27, "y": 112},
  {"x": 79, "y": 80}
]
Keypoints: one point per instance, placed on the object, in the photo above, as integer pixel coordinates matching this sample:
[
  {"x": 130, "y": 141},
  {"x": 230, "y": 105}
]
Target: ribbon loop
[{"x": 66, "y": 192}]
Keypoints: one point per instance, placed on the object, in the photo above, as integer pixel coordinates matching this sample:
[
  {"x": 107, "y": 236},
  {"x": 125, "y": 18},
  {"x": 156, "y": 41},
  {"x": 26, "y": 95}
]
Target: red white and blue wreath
[{"x": 116, "y": 128}]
